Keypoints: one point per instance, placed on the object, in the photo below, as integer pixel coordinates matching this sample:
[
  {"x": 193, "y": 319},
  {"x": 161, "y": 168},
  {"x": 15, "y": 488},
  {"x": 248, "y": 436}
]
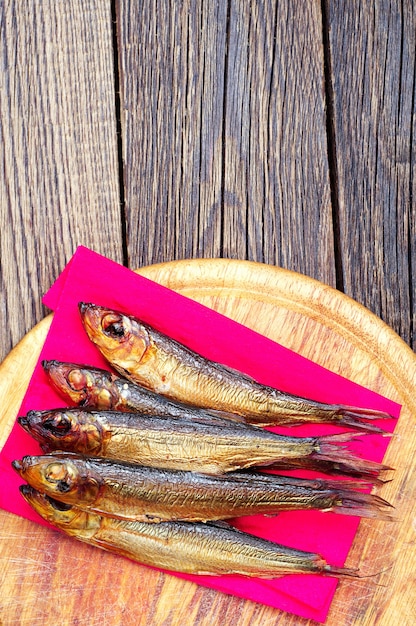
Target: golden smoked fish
[
  {"x": 191, "y": 547},
  {"x": 146, "y": 494},
  {"x": 95, "y": 388},
  {"x": 213, "y": 447},
  {"x": 150, "y": 358}
]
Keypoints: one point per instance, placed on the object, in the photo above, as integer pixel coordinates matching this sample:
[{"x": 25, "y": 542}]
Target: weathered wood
[
  {"x": 223, "y": 117},
  {"x": 225, "y": 154},
  {"x": 58, "y": 149},
  {"x": 372, "y": 53},
  {"x": 172, "y": 82},
  {"x": 276, "y": 182}
]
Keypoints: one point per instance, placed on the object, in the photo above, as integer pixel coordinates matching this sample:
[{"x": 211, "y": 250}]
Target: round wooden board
[{"x": 51, "y": 579}]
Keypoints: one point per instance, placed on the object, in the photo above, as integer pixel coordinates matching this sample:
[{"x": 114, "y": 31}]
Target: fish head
[
  {"x": 60, "y": 477},
  {"x": 65, "y": 429},
  {"x": 84, "y": 385},
  {"x": 70, "y": 519},
  {"x": 121, "y": 338}
]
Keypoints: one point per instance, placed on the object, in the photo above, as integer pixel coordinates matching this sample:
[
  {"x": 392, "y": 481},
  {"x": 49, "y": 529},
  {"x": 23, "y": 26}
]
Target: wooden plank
[
  {"x": 172, "y": 82},
  {"x": 374, "y": 113},
  {"x": 276, "y": 170},
  {"x": 223, "y": 118},
  {"x": 58, "y": 154}
]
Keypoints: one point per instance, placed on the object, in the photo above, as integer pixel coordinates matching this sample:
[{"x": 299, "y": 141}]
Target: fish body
[
  {"x": 147, "y": 357},
  {"x": 137, "y": 493},
  {"x": 212, "y": 447},
  {"x": 190, "y": 547},
  {"x": 96, "y": 388}
]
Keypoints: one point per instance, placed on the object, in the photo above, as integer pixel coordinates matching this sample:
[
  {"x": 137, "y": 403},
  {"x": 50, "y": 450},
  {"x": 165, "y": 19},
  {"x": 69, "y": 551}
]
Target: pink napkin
[{"x": 92, "y": 278}]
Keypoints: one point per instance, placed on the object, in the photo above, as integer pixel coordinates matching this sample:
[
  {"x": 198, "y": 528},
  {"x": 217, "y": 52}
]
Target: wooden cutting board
[{"x": 49, "y": 579}]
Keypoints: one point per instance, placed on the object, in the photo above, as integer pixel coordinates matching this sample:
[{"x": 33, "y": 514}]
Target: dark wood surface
[
  {"x": 372, "y": 101},
  {"x": 280, "y": 132},
  {"x": 275, "y": 132}
]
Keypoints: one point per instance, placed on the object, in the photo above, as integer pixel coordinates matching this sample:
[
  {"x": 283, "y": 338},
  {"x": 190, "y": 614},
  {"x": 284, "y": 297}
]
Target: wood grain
[
  {"x": 222, "y": 109},
  {"x": 58, "y": 149},
  {"x": 47, "y": 578},
  {"x": 374, "y": 113},
  {"x": 272, "y": 131}
]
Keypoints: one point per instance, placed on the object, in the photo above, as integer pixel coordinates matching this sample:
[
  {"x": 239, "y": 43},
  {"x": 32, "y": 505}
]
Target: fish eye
[
  {"x": 113, "y": 326},
  {"x": 63, "y": 486},
  {"x": 58, "y": 425},
  {"x": 55, "y": 471},
  {"x": 77, "y": 380},
  {"x": 58, "y": 474}
]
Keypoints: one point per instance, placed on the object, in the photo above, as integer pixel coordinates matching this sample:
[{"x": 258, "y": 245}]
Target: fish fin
[
  {"x": 346, "y": 459},
  {"x": 341, "y": 572},
  {"x": 330, "y": 570},
  {"x": 355, "y": 417},
  {"x": 364, "y": 505},
  {"x": 328, "y": 467},
  {"x": 329, "y": 450}
]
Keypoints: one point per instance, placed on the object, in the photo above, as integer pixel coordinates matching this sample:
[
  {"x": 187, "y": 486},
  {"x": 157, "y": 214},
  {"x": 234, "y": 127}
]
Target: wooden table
[{"x": 281, "y": 133}]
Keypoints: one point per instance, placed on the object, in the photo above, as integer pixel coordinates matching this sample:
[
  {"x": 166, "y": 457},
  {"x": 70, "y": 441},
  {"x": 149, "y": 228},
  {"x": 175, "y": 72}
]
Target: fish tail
[
  {"x": 347, "y": 572},
  {"x": 355, "y": 417},
  {"x": 342, "y": 572},
  {"x": 329, "y": 449},
  {"x": 328, "y": 467},
  {"x": 364, "y": 505}
]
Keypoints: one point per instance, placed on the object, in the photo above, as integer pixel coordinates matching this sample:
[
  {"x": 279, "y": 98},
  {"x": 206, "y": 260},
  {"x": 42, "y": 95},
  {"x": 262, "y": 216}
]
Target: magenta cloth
[{"x": 90, "y": 277}]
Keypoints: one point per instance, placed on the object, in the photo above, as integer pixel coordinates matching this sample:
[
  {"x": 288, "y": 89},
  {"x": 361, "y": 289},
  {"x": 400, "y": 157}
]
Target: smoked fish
[
  {"x": 96, "y": 388},
  {"x": 148, "y": 494},
  {"x": 190, "y": 547},
  {"x": 214, "y": 446},
  {"x": 147, "y": 357}
]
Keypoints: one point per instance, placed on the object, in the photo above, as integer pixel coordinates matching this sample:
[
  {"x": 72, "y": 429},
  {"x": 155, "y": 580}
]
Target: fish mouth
[
  {"x": 31, "y": 495},
  {"x": 24, "y": 468},
  {"x": 88, "y": 312},
  {"x": 41, "y": 424},
  {"x": 89, "y": 309},
  {"x": 32, "y": 420},
  {"x": 50, "y": 365},
  {"x": 53, "y": 367},
  {"x": 84, "y": 307},
  {"x": 27, "y": 491},
  {"x": 99, "y": 320},
  {"x": 17, "y": 465},
  {"x": 32, "y": 425},
  {"x": 68, "y": 377},
  {"x": 91, "y": 315},
  {"x": 31, "y": 417},
  {"x": 23, "y": 422},
  {"x": 56, "y": 371}
]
